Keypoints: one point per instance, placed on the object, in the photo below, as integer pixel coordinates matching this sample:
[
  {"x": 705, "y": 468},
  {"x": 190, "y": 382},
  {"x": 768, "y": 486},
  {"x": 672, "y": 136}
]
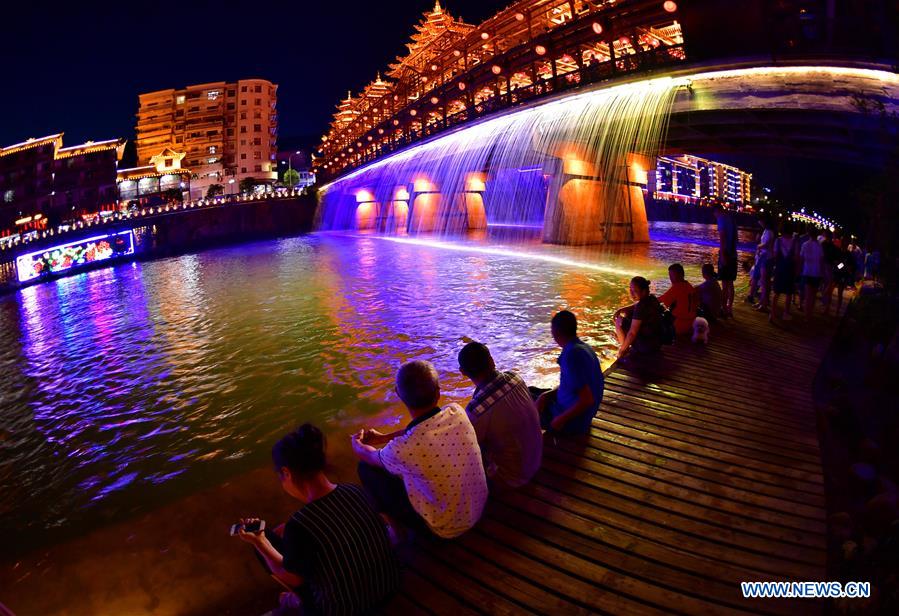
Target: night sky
[{"x": 79, "y": 67}]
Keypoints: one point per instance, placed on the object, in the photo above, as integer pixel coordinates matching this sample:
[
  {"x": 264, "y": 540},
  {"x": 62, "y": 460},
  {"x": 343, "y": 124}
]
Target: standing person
[
  {"x": 812, "y": 257},
  {"x": 504, "y": 417},
  {"x": 831, "y": 256},
  {"x": 872, "y": 264},
  {"x": 766, "y": 258},
  {"x": 639, "y": 326},
  {"x": 784, "y": 271},
  {"x": 843, "y": 274},
  {"x": 709, "y": 294},
  {"x": 571, "y": 407},
  {"x": 755, "y": 275},
  {"x": 681, "y": 299},
  {"x": 428, "y": 477},
  {"x": 334, "y": 549},
  {"x": 727, "y": 257},
  {"x": 802, "y": 236},
  {"x": 859, "y": 255}
]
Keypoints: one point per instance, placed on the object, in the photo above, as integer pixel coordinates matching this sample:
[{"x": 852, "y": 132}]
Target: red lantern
[
  {"x": 597, "y": 27},
  {"x": 540, "y": 50},
  {"x": 669, "y": 6}
]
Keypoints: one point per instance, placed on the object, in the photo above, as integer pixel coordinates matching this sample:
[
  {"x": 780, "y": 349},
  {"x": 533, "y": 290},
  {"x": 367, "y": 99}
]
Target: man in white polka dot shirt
[{"x": 428, "y": 476}]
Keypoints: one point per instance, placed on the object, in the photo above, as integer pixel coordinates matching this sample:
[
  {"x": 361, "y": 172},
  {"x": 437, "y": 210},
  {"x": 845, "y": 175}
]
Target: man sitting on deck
[
  {"x": 571, "y": 407},
  {"x": 681, "y": 299},
  {"x": 334, "y": 550},
  {"x": 429, "y": 476},
  {"x": 504, "y": 417}
]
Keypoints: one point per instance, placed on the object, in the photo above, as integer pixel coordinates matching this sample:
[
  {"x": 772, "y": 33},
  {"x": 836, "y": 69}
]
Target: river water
[{"x": 127, "y": 387}]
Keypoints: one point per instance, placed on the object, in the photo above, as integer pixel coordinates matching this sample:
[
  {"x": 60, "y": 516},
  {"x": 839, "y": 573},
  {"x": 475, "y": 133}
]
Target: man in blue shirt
[{"x": 571, "y": 407}]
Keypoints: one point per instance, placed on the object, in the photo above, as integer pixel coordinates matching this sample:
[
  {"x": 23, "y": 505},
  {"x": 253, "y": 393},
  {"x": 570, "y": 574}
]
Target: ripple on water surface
[{"x": 124, "y": 387}]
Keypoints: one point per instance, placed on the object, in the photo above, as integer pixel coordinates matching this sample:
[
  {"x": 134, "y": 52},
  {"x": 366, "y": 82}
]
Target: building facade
[
  {"x": 164, "y": 179},
  {"x": 227, "y": 131},
  {"x": 691, "y": 179},
  {"x": 43, "y": 184}
]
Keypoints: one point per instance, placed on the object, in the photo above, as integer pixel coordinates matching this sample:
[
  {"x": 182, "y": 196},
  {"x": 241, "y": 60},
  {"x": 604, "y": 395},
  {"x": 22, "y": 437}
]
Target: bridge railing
[
  {"x": 645, "y": 61},
  {"x": 10, "y": 246}
]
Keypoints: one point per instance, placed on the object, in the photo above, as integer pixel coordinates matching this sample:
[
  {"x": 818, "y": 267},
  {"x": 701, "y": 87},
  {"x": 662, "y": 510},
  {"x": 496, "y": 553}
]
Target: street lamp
[
  {"x": 290, "y": 163},
  {"x": 231, "y": 190}
]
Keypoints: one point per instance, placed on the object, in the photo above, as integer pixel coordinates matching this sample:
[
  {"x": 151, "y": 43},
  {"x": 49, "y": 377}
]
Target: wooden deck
[{"x": 702, "y": 470}]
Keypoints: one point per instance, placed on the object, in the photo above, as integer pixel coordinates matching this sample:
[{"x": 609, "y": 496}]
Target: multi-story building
[
  {"x": 691, "y": 179},
  {"x": 228, "y": 131},
  {"x": 44, "y": 184}
]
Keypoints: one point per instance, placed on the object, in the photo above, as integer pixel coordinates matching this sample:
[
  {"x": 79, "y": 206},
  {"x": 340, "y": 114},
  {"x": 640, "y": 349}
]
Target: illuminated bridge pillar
[
  {"x": 581, "y": 209},
  {"x": 425, "y": 206},
  {"x": 395, "y": 216},
  {"x": 467, "y": 211},
  {"x": 367, "y": 211}
]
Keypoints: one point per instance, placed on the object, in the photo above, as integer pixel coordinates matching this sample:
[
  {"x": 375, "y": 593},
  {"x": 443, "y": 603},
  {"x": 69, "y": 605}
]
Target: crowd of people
[
  {"x": 432, "y": 477},
  {"x": 804, "y": 266}
]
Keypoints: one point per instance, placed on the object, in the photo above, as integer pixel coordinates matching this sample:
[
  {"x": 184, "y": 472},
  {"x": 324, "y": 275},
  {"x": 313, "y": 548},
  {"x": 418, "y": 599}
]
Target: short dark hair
[
  {"x": 417, "y": 384},
  {"x": 640, "y": 282},
  {"x": 677, "y": 267},
  {"x": 565, "y": 323},
  {"x": 302, "y": 451},
  {"x": 708, "y": 270},
  {"x": 474, "y": 358}
]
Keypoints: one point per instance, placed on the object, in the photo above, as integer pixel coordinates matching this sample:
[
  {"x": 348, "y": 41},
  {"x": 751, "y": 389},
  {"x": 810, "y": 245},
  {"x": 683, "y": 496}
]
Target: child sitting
[{"x": 709, "y": 294}]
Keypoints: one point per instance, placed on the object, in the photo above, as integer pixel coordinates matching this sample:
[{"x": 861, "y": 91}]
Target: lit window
[
  {"x": 212, "y": 149},
  {"x": 213, "y": 95},
  {"x": 212, "y": 161},
  {"x": 179, "y": 99}
]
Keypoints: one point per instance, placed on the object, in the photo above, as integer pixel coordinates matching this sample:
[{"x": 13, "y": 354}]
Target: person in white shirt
[
  {"x": 812, "y": 257},
  {"x": 429, "y": 476},
  {"x": 766, "y": 260}
]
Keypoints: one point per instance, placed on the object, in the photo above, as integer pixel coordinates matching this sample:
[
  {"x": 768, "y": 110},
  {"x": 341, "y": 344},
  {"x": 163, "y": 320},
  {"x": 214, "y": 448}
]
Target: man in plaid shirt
[{"x": 504, "y": 418}]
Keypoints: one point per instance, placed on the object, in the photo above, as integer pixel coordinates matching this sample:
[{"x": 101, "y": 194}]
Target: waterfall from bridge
[{"x": 574, "y": 166}]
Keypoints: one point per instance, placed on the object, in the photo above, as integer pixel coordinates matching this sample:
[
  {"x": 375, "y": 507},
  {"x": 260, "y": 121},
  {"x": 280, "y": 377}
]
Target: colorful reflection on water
[{"x": 129, "y": 386}]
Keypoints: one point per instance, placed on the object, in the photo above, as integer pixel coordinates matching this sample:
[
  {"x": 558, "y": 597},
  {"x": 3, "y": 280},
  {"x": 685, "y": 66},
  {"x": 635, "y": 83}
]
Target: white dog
[{"x": 700, "y": 330}]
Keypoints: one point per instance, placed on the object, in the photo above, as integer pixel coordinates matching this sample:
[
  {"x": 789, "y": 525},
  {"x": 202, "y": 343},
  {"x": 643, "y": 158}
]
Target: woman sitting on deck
[{"x": 639, "y": 326}]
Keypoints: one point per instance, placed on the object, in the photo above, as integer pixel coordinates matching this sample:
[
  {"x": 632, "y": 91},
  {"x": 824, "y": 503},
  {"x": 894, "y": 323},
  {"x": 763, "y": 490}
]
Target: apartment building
[
  {"x": 227, "y": 131},
  {"x": 691, "y": 179}
]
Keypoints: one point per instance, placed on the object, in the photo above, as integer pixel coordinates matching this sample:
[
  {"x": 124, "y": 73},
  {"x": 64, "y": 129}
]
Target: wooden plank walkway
[{"x": 702, "y": 470}]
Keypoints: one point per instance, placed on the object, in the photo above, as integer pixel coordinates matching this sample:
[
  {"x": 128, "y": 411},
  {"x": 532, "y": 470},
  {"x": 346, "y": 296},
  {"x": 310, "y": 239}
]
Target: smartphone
[{"x": 255, "y": 527}]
